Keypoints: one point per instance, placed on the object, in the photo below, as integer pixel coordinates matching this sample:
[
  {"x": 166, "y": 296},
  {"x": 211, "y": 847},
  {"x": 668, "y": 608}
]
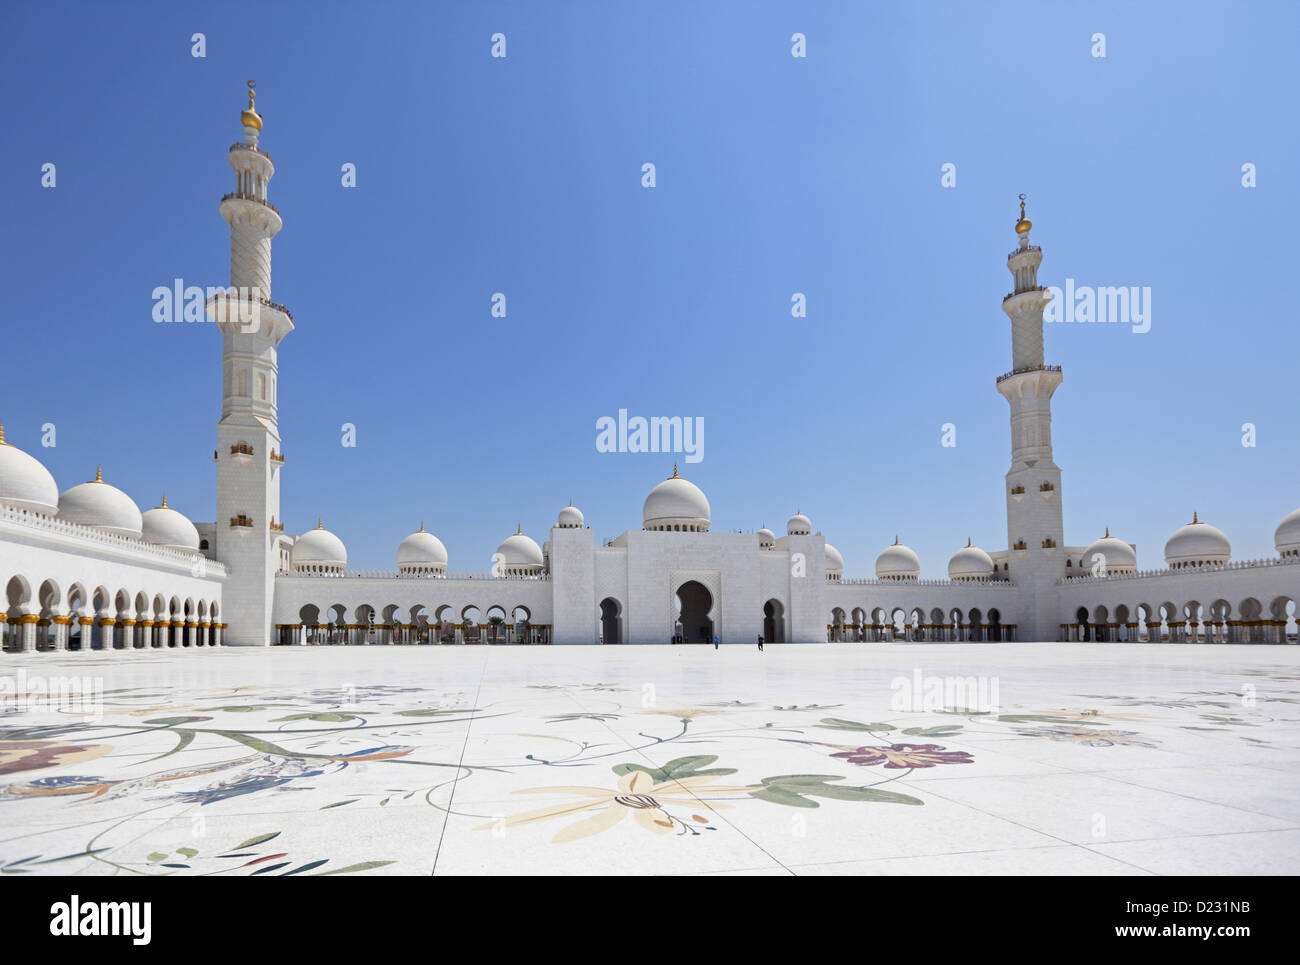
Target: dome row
[
  {"x": 675, "y": 504},
  {"x": 27, "y": 485}
]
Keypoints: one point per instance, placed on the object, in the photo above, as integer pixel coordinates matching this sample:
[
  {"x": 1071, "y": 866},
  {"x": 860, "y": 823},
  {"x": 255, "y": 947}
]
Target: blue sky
[{"x": 775, "y": 175}]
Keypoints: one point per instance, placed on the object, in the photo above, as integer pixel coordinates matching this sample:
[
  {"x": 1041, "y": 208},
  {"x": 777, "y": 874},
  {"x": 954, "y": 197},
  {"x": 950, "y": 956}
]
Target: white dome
[
  {"x": 103, "y": 506},
  {"x": 519, "y": 551},
  {"x": 24, "y": 482},
  {"x": 1197, "y": 543},
  {"x": 319, "y": 549},
  {"x": 1286, "y": 538},
  {"x": 571, "y": 518},
  {"x": 898, "y": 562},
  {"x": 834, "y": 562},
  {"x": 166, "y": 527},
  {"x": 422, "y": 550},
  {"x": 798, "y": 525},
  {"x": 766, "y": 538},
  {"x": 1117, "y": 554},
  {"x": 970, "y": 563},
  {"x": 676, "y": 502}
]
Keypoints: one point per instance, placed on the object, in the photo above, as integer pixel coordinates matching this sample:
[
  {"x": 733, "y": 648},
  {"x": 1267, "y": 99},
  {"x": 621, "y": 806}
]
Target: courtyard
[{"x": 850, "y": 758}]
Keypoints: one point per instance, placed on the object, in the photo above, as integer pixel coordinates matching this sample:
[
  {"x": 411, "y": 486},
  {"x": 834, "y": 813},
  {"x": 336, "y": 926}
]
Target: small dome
[
  {"x": 834, "y": 562},
  {"x": 1286, "y": 538},
  {"x": 518, "y": 555},
  {"x": 166, "y": 527},
  {"x": 766, "y": 538},
  {"x": 970, "y": 563},
  {"x": 24, "y": 482},
  {"x": 571, "y": 518},
  {"x": 798, "y": 525},
  {"x": 1116, "y": 554},
  {"x": 102, "y": 506},
  {"x": 1196, "y": 544},
  {"x": 898, "y": 562},
  {"x": 421, "y": 552},
  {"x": 319, "y": 550},
  {"x": 676, "y": 503}
]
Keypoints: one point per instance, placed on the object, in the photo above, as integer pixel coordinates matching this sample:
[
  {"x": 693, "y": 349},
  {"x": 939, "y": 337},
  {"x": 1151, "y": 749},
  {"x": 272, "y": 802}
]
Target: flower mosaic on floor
[{"x": 255, "y": 778}]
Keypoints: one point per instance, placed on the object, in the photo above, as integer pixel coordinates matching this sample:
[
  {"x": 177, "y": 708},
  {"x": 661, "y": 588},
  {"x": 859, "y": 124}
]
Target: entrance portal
[
  {"x": 694, "y": 602},
  {"x": 609, "y": 621},
  {"x": 773, "y": 622}
]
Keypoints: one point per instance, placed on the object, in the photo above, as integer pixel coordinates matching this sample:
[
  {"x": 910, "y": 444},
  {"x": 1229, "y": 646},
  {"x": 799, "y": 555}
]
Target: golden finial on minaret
[
  {"x": 1194, "y": 519},
  {"x": 250, "y": 117},
  {"x": 1024, "y": 224},
  {"x": 2, "y": 435},
  {"x": 675, "y": 476},
  {"x": 164, "y": 502},
  {"x": 968, "y": 541},
  {"x": 319, "y": 524},
  {"x": 99, "y": 474},
  {"x": 1107, "y": 536},
  {"x": 895, "y": 539},
  {"x": 518, "y": 529}
]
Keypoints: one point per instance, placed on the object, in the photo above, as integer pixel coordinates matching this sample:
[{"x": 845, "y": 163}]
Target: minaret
[
  {"x": 249, "y": 453},
  {"x": 1035, "y": 535}
]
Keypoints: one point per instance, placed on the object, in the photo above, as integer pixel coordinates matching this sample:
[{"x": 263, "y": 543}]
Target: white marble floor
[{"x": 1079, "y": 759}]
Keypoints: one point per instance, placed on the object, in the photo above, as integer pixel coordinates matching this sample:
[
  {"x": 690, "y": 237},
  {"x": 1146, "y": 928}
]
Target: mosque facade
[{"x": 85, "y": 569}]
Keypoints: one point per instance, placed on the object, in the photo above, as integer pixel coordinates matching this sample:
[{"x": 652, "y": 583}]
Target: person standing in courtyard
[
  {"x": 760, "y": 643},
  {"x": 715, "y": 641}
]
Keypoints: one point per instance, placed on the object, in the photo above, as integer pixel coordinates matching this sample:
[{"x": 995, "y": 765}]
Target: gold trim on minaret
[
  {"x": 1024, "y": 224},
  {"x": 250, "y": 117}
]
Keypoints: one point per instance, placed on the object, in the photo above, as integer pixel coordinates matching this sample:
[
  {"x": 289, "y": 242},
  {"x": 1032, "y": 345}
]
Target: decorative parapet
[
  {"x": 1017, "y": 490},
  {"x": 1049, "y": 543},
  {"x": 1020, "y": 545},
  {"x": 1112, "y": 576},
  {"x": 241, "y": 520},
  {"x": 1028, "y": 368},
  {"x": 895, "y": 584},
  {"x": 241, "y": 146},
  {"x": 1036, "y": 288},
  {"x": 1046, "y": 487},
  {"x": 137, "y": 547},
  {"x": 242, "y": 449},
  {"x": 239, "y": 196},
  {"x": 392, "y": 575},
  {"x": 275, "y": 527},
  {"x": 277, "y": 457}
]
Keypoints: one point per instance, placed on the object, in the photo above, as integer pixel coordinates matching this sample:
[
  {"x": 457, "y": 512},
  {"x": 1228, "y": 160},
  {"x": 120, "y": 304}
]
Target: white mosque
[{"x": 85, "y": 569}]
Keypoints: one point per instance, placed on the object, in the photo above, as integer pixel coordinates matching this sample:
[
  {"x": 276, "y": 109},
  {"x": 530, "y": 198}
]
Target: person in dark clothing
[{"x": 760, "y": 642}]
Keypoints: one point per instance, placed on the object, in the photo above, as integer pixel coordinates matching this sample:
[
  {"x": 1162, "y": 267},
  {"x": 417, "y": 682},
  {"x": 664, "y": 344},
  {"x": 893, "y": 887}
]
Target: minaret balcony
[
  {"x": 1017, "y": 493},
  {"x": 1040, "y": 290},
  {"x": 237, "y": 311},
  {"x": 249, "y": 197},
  {"x": 243, "y": 453},
  {"x": 1029, "y": 368},
  {"x": 241, "y": 146},
  {"x": 1047, "y": 491},
  {"x": 278, "y": 458},
  {"x": 241, "y": 521}
]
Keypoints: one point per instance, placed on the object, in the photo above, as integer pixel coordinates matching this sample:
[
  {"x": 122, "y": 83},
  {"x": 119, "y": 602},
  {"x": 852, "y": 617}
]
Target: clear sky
[{"x": 775, "y": 175}]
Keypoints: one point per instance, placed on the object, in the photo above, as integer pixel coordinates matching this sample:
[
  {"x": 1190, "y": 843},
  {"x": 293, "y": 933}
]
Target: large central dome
[{"x": 676, "y": 504}]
